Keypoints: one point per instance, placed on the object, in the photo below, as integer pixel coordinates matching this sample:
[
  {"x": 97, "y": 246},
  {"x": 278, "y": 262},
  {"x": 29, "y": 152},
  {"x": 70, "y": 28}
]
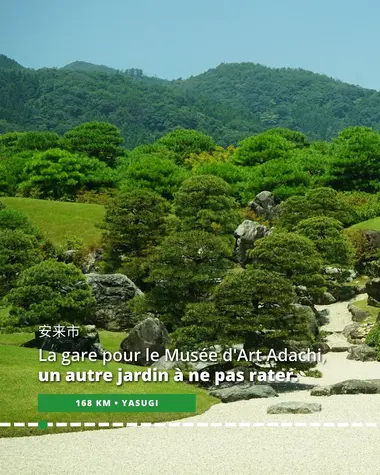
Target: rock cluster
[
  {"x": 362, "y": 353},
  {"x": 357, "y": 333}
]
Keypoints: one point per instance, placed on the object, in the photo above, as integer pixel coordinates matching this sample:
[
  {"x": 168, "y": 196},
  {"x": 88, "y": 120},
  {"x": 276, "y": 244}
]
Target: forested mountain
[
  {"x": 229, "y": 102},
  {"x": 84, "y": 66},
  {"x": 8, "y": 63}
]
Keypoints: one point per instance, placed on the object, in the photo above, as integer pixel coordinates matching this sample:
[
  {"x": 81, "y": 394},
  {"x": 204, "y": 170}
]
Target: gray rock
[
  {"x": 340, "y": 274},
  {"x": 112, "y": 293},
  {"x": 321, "y": 391},
  {"x": 362, "y": 353},
  {"x": 294, "y": 407},
  {"x": 373, "y": 290},
  {"x": 372, "y": 268},
  {"x": 373, "y": 237},
  {"x": 357, "y": 386},
  {"x": 351, "y": 386},
  {"x": 323, "y": 317},
  {"x": 70, "y": 255},
  {"x": 357, "y": 333},
  {"x": 320, "y": 346},
  {"x": 327, "y": 299},
  {"x": 309, "y": 315},
  {"x": 246, "y": 236},
  {"x": 90, "y": 263},
  {"x": 164, "y": 365},
  {"x": 150, "y": 334},
  {"x": 264, "y": 205},
  {"x": 240, "y": 392},
  {"x": 358, "y": 315}
]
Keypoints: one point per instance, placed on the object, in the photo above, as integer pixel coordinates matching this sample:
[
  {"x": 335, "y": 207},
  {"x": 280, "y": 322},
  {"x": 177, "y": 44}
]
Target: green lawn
[
  {"x": 361, "y": 280},
  {"x": 110, "y": 340},
  {"x": 20, "y": 388},
  {"x": 373, "y": 224},
  {"x": 58, "y": 220}
]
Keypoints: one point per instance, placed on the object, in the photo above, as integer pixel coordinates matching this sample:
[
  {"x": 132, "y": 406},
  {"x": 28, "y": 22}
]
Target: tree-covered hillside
[{"x": 229, "y": 102}]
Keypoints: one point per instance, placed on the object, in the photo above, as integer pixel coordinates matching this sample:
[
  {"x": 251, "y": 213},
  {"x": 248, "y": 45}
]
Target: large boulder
[
  {"x": 87, "y": 340},
  {"x": 357, "y": 386},
  {"x": 323, "y": 316},
  {"x": 373, "y": 290},
  {"x": 293, "y": 407},
  {"x": 246, "y": 236},
  {"x": 351, "y": 386},
  {"x": 245, "y": 391},
  {"x": 150, "y": 334},
  {"x": 362, "y": 353},
  {"x": 264, "y": 205},
  {"x": 310, "y": 317},
  {"x": 373, "y": 237},
  {"x": 358, "y": 314},
  {"x": 326, "y": 299},
  {"x": 112, "y": 293}
]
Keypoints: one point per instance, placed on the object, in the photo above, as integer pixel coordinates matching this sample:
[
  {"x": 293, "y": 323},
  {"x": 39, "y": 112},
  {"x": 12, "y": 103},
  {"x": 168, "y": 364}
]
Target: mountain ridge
[{"x": 228, "y": 102}]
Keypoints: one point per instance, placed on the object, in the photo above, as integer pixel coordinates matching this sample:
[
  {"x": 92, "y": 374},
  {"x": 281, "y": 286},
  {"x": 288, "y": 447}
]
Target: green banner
[{"x": 116, "y": 403}]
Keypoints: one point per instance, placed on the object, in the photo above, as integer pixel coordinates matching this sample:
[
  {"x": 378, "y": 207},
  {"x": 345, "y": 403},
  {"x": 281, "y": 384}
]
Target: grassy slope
[
  {"x": 59, "y": 220},
  {"x": 373, "y": 224},
  {"x": 20, "y": 387}
]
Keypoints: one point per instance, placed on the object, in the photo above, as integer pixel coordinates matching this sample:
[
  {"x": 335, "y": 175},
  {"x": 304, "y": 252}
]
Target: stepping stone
[
  {"x": 338, "y": 343},
  {"x": 294, "y": 408},
  {"x": 244, "y": 392}
]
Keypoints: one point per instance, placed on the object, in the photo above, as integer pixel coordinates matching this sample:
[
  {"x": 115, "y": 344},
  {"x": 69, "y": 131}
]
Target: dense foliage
[
  {"x": 185, "y": 269},
  {"x": 134, "y": 225},
  {"x": 51, "y": 292},
  {"x": 18, "y": 251},
  {"x": 158, "y": 155},
  {"x": 242, "y": 306},
  {"x": 293, "y": 256},
  {"x": 204, "y": 202}
]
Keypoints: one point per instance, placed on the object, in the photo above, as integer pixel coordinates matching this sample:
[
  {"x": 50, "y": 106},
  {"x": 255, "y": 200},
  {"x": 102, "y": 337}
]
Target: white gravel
[
  {"x": 339, "y": 315},
  {"x": 226, "y": 450}
]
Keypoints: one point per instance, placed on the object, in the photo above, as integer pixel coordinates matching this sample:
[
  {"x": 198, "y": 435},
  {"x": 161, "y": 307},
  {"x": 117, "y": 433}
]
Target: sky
[{"x": 173, "y": 38}]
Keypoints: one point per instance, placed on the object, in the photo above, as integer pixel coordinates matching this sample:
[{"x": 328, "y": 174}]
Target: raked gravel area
[{"x": 346, "y": 447}]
